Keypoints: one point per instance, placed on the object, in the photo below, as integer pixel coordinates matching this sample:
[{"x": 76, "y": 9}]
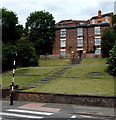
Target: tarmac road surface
[{"x": 21, "y": 110}]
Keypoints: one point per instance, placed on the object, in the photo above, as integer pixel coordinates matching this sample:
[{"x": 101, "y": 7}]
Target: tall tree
[
  {"x": 40, "y": 25},
  {"x": 10, "y": 27},
  {"x": 109, "y": 38}
]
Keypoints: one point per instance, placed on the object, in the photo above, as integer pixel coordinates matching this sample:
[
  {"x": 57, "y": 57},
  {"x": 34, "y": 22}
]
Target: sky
[{"x": 60, "y": 9}]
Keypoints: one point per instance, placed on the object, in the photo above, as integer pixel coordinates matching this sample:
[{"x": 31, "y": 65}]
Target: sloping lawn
[
  {"x": 27, "y": 76},
  {"x": 30, "y": 75},
  {"x": 100, "y": 86},
  {"x": 89, "y": 66},
  {"x": 78, "y": 86}
]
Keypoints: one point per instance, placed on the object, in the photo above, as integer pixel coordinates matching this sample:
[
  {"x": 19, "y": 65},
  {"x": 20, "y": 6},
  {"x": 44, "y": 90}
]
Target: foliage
[
  {"x": 112, "y": 61},
  {"x": 26, "y": 53},
  {"x": 7, "y": 60},
  {"x": 40, "y": 25},
  {"x": 113, "y": 19},
  {"x": 11, "y": 31},
  {"x": 108, "y": 40}
]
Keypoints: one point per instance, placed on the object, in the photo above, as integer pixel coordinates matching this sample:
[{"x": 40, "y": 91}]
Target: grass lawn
[
  {"x": 54, "y": 62},
  {"x": 78, "y": 86},
  {"x": 99, "y": 86},
  {"x": 27, "y": 76}
]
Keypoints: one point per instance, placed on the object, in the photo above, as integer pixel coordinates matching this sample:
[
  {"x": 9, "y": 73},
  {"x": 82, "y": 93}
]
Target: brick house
[{"x": 79, "y": 37}]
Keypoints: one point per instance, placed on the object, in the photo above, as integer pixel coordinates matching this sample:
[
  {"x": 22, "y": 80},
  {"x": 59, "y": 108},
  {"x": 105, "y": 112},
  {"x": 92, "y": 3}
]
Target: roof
[
  {"x": 83, "y": 26},
  {"x": 107, "y": 14}
]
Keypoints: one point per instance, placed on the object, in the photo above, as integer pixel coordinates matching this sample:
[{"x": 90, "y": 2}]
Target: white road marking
[
  {"x": 31, "y": 112},
  {"x": 74, "y": 116},
  {"x": 19, "y": 115},
  {"x": 0, "y": 118},
  {"x": 87, "y": 116}
]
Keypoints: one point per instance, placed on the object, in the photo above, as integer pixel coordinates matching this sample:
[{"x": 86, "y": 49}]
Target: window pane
[
  {"x": 98, "y": 51},
  {"x": 79, "y": 31},
  {"x": 93, "y": 21},
  {"x": 80, "y": 42},
  {"x": 63, "y": 33},
  {"x": 62, "y": 52},
  {"x": 97, "y": 41},
  {"x": 63, "y": 43},
  {"x": 97, "y": 30},
  {"x": 106, "y": 18}
]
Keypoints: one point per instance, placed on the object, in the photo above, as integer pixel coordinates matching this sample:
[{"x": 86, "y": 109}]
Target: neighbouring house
[{"x": 77, "y": 38}]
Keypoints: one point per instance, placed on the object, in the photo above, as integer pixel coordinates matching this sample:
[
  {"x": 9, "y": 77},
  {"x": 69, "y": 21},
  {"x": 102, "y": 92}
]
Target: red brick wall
[{"x": 71, "y": 39}]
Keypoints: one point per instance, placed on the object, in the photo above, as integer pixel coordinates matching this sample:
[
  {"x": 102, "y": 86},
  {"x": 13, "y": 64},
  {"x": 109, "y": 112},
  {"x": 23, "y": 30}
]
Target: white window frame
[
  {"x": 63, "y": 33},
  {"x": 78, "y": 43},
  {"x": 98, "y": 40},
  {"x": 93, "y": 21},
  {"x": 79, "y": 31},
  {"x": 63, "y": 42},
  {"x": 62, "y": 51},
  {"x": 98, "y": 51},
  {"x": 106, "y": 18},
  {"x": 97, "y": 30}
]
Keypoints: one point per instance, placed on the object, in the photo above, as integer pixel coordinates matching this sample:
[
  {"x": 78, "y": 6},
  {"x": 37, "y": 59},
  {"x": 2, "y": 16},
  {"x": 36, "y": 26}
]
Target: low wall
[
  {"x": 52, "y": 57},
  {"x": 91, "y": 100}
]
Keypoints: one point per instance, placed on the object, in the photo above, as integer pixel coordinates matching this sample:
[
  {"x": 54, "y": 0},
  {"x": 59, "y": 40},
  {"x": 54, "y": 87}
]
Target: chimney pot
[{"x": 99, "y": 13}]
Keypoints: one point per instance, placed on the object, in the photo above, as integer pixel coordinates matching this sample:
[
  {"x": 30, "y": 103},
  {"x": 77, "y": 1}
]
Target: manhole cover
[{"x": 95, "y": 73}]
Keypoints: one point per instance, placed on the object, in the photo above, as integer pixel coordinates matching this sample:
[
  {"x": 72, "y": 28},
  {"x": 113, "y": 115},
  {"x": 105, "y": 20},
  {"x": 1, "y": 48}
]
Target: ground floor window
[
  {"x": 63, "y": 52},
  {"x": 98, "y": 51}
]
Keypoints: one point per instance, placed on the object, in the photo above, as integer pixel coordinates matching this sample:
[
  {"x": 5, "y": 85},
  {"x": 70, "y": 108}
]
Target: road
[{"x": 49, "y": 111}]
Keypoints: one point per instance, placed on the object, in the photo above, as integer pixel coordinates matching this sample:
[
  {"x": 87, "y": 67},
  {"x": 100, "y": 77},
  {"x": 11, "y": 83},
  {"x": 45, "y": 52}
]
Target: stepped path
[{"x": 49, "y": 77}]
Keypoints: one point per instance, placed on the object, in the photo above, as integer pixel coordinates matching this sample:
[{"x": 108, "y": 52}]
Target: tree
[
  {"x": 112, "y": 61},
  {"x": 7, "y": 60},
  {"x": 26, "y": 55},
  {"x": 108, "y": 40},
  {"x": 11, "y": 31},
  {"x": 40, "y": 26}
]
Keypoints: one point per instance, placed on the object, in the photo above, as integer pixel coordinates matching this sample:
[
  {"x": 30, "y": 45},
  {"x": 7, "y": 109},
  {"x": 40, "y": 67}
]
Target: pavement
[{"x": 22, "y": 110}]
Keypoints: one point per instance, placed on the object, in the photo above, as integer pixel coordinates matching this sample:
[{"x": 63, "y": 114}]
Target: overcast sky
[{"x": 60, "y": 9}]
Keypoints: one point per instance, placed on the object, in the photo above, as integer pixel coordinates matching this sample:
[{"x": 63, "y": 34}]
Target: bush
[{"x": 112, "y": 61}]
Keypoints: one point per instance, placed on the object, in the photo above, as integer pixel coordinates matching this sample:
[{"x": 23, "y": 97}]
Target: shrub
[{"x": 112, "y": 61}]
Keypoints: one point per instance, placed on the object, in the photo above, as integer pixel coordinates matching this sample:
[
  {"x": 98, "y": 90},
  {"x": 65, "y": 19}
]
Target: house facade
[{"x": 79, "y": 37}]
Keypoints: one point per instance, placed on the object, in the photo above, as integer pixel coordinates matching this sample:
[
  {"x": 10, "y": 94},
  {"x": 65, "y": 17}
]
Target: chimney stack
[{"x": 99, "y": 13}]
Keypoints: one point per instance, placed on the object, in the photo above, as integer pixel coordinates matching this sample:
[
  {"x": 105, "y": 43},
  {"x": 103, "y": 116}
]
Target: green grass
[
  {"x": 42, "y": 71},
  {"x": 54, "y": 62},
  {"x": 99, "y": 86},
  {"x": 21, "y": 80},
  {"x": 78, "y": 86},
  {"x": 87, "y": 66}
]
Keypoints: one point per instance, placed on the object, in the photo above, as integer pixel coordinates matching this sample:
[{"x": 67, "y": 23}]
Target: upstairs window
[
  {"x": 106, "y": 18},
  {"x": 80, "y": 42},
  {"x": 63, "y": 33},
  {"x": 79, "y": 31},
  {"x": 97, "y": 41},
  {"x": 63, "y": 43},
  {"x": 93, "y": 21},
  {"x": 97, "y": 30}
]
